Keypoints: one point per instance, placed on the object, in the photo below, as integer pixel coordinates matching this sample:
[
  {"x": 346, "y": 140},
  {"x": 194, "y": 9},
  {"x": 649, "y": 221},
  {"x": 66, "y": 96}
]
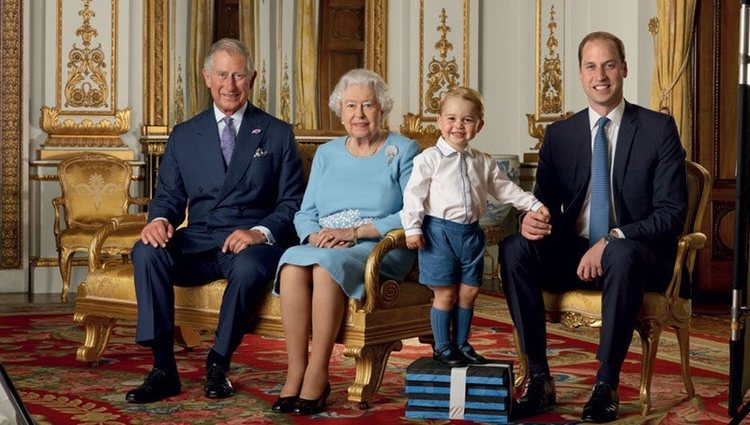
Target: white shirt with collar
[
  {"x": 453, "y": 185},
  {"x": 236, "y": 117},
  {"x": 611, "y": 130}
]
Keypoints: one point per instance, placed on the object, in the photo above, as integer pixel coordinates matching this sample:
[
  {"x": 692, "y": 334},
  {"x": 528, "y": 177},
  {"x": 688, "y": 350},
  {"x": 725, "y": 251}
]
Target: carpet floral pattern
[{"x": 38, "y": 351}]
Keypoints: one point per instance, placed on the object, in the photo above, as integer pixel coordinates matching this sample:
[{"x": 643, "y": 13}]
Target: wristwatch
[{"x": 609, "y": 238}]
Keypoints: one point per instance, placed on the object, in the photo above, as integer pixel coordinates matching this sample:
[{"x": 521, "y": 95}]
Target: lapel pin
[{"x": 256, "y": 131}]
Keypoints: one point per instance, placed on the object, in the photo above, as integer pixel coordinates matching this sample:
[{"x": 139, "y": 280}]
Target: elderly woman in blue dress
[{"x": 353, "y": 198}]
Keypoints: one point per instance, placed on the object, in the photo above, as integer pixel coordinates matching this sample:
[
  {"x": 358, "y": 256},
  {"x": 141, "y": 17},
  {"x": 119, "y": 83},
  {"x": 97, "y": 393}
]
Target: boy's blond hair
[{"x": 465, "y": 93}]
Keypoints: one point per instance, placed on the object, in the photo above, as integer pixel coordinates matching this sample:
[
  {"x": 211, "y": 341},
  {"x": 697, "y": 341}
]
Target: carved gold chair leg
[
  {"x": 186, "y": 337},
  {"x": 98, "y": 330},
  {"x": 683, "y": 339},
  {"x": 370, "y": 361},
  {"x": 66, "y": 266},
  {"x": 522, "y": 374},
  {"x": 649, "y": 343}
]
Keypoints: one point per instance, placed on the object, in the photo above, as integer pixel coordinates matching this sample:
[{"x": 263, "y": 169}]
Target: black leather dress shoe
[
  {"x": 312, "y": 407},
  {"x": 156, "y": 386},
  {"x": 217, "y": 385},
  {"x": 537, "y": 397},
  {"x": 285, "y": 404},
  {"x": 471, "y": 356},
  {"x": 602, "y": 405},
  {"x": 449, "y": 356}
]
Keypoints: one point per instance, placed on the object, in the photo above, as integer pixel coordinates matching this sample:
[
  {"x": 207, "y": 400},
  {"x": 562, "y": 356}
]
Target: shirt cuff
[
  {"x": 267, "y": 233},
  {"x": 618, "y": 232},
  {"x": 413, "y": 232}
]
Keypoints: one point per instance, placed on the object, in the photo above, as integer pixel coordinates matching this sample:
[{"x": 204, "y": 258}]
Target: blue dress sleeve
[
  {"x": 306, "y": 220},
  {"x": 405, "y": 161}
]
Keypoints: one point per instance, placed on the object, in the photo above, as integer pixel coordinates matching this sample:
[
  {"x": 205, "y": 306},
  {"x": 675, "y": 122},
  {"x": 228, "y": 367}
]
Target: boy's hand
[
  {"x": 535, "y": 224},
  {"x": 415, "y": 242}
]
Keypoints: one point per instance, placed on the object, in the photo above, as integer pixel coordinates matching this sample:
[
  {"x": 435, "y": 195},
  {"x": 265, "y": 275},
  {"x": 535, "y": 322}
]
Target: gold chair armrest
[
  {"x": 57, "y": 205},
  {"x": 140, "y": 200},
  {"x": 377, "y": 293},
  {"x": 687, "y": 248},
  {"x": 116, "y": 224}
]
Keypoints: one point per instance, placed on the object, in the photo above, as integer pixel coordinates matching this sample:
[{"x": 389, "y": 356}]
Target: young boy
[{"x": 443, "y": 201}]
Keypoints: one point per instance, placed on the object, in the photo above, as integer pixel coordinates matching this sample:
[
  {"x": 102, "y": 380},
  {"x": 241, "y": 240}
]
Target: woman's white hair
[{"x": 361, "y": 77}]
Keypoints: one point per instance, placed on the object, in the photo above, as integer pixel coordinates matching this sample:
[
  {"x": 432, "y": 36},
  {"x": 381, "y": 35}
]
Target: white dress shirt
[
  {"x": 612, "y": 130},
  {"x": 453, "y": 185}
]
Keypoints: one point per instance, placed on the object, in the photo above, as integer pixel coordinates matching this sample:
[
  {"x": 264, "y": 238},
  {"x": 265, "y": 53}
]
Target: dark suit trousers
[
  {"x": 158, "y": 270},
  {"x": 629, "y": 269}
]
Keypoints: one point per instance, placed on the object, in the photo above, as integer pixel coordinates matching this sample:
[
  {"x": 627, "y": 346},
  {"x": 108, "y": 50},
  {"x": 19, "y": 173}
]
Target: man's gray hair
[
  {"x": 231, "y": 46},
  {"x": 361, "y": 77}
]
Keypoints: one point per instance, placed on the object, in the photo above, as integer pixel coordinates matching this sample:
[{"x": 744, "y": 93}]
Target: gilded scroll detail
[
  {"x": 179, "y": 95},
  {"x": 442, "y": 73},
  {"x": 376, "y": 11},
  {"x": 550, "y": 95},
  {"x": 87, "y": 84},
  {"x": 86, "y": 132},
  {"x": 262, "y": 96},
  {"x": 285, "y": 106}
]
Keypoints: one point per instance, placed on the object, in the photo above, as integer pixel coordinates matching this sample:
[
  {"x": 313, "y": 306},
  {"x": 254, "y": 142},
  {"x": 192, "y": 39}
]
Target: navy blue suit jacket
[
  {"x": 648, "y": 183},
  {"x": 263, "y": 186}
]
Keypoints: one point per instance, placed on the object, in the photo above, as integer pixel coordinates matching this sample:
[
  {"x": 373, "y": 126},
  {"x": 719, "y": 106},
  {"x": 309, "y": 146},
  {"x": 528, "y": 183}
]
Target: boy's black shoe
[
  {"x": 449, "y": 356},
  {"x": 471, "y": 356}
]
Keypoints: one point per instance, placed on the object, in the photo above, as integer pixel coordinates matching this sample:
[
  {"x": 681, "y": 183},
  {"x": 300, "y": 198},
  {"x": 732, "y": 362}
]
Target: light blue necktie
[
  {"x": 227, "y": 139},
  {"x": 599, "y": 214}
]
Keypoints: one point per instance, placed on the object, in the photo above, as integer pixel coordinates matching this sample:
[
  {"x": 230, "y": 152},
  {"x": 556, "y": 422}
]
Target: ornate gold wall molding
[
  {"x": 376, "y": 38},
  {"x": 87, "y": 133},
  {"x": 156, "y": 68},
  {"x": 91, "y": 82},
  {"x": 548, "y": 85},
  {"x": 442, "y": 74},
  {"x": 444, "y": 71},
  {"x": 87, "y": 85},
  {"x": 11, "y": 123},
  {"x": 85, "y": 80}
]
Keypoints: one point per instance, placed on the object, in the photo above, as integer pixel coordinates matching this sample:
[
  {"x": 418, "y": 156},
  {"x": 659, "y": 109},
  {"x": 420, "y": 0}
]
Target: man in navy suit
[
  {"x": 238, "y": 172},
  {"x": 646, "y": 203}
]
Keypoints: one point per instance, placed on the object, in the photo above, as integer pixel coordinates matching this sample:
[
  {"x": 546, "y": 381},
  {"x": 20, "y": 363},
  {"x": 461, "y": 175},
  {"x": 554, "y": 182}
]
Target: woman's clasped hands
[{"x": 332, "y": 238}]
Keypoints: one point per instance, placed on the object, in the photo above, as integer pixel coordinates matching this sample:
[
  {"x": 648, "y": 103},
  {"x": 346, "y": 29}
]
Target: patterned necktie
[
  {"x": 599, "y": 214},
  {"x": 227, "y": 139}
]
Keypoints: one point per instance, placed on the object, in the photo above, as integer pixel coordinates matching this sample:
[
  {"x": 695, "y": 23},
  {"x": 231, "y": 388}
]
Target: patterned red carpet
[{"x": 38, "y": 350}]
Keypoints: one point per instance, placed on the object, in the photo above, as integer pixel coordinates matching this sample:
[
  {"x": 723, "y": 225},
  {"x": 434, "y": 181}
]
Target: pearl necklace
[{"x": 353, "y": 148}]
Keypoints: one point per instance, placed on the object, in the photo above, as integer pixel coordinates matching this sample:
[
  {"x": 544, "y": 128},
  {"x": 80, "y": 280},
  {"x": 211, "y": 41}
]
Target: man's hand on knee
[{"x": 590, "y": 266}]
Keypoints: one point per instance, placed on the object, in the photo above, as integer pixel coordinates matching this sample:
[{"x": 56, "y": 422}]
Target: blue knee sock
[
  {"x": 463, "y": 325},
  {"x": 440, "y": 321}
]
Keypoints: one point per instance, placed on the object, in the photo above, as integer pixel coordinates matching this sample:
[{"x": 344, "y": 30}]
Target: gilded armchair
[
  {"x": 95, "y": 188},
  {"x": 583, "y": 307}
]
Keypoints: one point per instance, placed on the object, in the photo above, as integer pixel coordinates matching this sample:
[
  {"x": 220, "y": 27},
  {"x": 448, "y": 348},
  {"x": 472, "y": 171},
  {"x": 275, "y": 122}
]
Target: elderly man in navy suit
[
  {"x": 237, "y": 171},
  {"x": 613, "y": 177}
]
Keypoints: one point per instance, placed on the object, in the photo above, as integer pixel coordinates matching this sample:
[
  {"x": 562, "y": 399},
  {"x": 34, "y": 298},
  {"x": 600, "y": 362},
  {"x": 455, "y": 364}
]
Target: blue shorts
[{"x": 453, "y": 253}]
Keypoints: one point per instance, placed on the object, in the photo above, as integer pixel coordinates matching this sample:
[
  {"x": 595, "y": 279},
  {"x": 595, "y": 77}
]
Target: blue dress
[{"x": 346, "y": 191}]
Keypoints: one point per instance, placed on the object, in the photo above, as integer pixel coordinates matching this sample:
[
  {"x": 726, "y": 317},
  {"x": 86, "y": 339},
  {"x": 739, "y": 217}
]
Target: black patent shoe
[
  {"x": 157, "y": 385},
  {"x": 449, "y": 356},
  {"x": 602, "y": 405},
  {"x": 471, "y": 356},
  {"x": 217, "y": 384},
  {"x": 285, "y": 404},
  {"x": 312, "y": 407},
  {"x": 538, "y": 397}
]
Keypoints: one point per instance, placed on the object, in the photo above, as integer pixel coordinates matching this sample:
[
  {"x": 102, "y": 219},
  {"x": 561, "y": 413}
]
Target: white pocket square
[{"x": 260, "y": 152}]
